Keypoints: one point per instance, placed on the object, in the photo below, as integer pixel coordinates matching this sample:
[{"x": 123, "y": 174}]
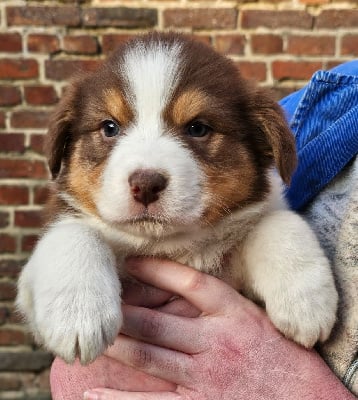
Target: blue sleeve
[{"x": 324, "y": 120}]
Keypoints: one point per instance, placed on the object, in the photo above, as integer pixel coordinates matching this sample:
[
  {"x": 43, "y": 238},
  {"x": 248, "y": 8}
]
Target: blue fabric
[{"x": 323, "y": 117}]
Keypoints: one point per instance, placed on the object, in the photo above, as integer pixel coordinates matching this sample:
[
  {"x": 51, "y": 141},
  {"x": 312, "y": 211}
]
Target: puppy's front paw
[
  {"x": 80, "y": 324},
  {"x": 305, "y": 316}
]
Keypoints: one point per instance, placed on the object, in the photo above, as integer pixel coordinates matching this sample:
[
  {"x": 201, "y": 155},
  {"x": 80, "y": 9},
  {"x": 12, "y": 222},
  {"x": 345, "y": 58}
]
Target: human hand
[{"x": 231, "y": 351}]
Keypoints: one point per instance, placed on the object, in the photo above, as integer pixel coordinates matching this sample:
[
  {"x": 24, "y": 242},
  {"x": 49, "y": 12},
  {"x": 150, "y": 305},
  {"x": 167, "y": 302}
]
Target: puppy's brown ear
[
  {"x": 59, "y": 130},
  {"x": 280, "y": 142}
]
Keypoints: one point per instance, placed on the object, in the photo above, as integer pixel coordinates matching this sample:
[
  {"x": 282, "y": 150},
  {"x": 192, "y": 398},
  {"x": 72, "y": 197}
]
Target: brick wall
[{"x": 279, "y": 43}]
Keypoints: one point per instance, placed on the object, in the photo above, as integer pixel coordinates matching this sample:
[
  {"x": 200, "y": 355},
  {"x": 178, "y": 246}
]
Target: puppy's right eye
[{"x": 110, "y": 128}]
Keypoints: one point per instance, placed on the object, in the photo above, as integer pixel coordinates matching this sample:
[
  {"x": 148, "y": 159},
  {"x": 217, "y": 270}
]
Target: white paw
[
  {"x": 304, "y": 316},
  {"x": 79, "y": 323}
]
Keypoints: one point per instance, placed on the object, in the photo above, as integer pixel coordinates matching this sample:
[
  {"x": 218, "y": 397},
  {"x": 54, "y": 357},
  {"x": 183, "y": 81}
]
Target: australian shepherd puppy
[{"x": 167, "y": 151}]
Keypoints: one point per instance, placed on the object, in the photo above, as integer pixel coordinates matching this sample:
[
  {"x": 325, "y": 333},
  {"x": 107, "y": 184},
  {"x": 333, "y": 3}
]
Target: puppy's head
[{"x": 166, "y": 133}]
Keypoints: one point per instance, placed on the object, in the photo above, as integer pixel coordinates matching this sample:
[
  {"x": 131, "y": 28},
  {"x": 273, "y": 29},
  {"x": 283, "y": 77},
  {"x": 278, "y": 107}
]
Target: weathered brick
[
  {"x": 201, "y": 18},
  {"x": 333, "y": 19},
  {"x": 40, "y": 194},
  {"x": 9, "y": 96},
  {"x": 40, "y": 95},
  {"x": 43, "y": 43},
  {"x": 9, "y": 382},
  {"x": 349, "y": 46},
  {"x": 2, "y": 119},
  {"x": 43, "y": 16},
  {"x": 28, "y": 242},
  {"x": 29, "y": 119},
  {"x": 4, "y": 312},
  {"x": 266, "y": 44},
  {"x": 294, "y": 69},
  {"x": 81, "y": 44},
  {"x": 37, "y": 143},
  {"x": 28, "y": 219},
  {"x": 59, "y": 70},
  {"x": 4, "y": 219},
  {"x": 10, "y": 268},
  {"x": 252, "y": 70},
  {"x": 7, "y": 291},
  {"x": 111, "y": 41},
  {"x": 12, "y": 337},
  {"x": 251, "y": 19},
  {"x": 14, "y": 195},
  {"x": 120, "y": 17},
  {"x": 311, "y": 45},
  {"x": 12, "y": 168},
  {"x": 10, "y": 42},
  {"x": 7, "y": 245},
  {"x": 25, "y": 361},
  {"x": 18, "y": 69},
  {"x": 12, "y": 142},
  {"x": 230, "y": 44}
]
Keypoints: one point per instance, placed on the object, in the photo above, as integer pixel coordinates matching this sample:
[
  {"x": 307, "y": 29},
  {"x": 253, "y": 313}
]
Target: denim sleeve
[{"x": 324, "y": 120}]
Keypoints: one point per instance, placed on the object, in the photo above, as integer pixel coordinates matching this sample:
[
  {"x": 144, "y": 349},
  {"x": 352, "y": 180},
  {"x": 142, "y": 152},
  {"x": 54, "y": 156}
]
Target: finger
[
  {"x": 166, "y": 330},
  {"x": 205, "y": 292},
  {"x": 163, "y": 363},
  {"x": 140, "y": 294},
  {"x": 109, "y": 394},
  {"x": 180, "y": 307}
]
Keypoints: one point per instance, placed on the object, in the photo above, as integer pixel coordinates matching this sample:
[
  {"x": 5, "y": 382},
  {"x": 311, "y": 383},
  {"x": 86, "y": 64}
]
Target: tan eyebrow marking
[{"x": 117, "y": 106}]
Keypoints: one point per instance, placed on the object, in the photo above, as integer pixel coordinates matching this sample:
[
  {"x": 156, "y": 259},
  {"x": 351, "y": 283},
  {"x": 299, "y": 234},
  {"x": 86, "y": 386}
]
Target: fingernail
[{"x": 89, "y": 395}]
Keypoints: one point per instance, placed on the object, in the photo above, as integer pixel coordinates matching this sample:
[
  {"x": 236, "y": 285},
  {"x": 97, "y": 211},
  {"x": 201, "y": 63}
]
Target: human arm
[{"x": 231, "y": 351}]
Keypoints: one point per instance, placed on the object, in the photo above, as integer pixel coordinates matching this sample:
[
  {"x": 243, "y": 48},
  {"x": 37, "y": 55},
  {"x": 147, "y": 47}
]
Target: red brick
[
  {"x": 120, "y": 17},
  {"x": 2, "y": 119},
  {"x": 42, "y": 43},
  {"x": 332, "y": 19},
  {"x": 10, "y": 268},
  {"x": 7, "y": 245},
  {"x": 4, "y": 219},
  {"x": 252, "y": 19},
  {"x": 252, "y": 70},
  {"x": 12, "y": 142},
  {"x": 29, "y": 119},
  {"x": 12, "y": 195},
  {"x": 40, "y": 95},
  {"x": 266, "y": 44},
  {"x": 10, "y": 382},
  {"x": 201, "y": 18},
  {"x": 18, "y": 69},
  {"x": 230, "y": 44},
  {"x": 9, "y": 96},
  {"x": 111, "y": 41},
  {"x": 7, "y": 291},
  {"x": 28, "y": 242},
  {"x": 28, "y": 219},
  {"x": 4, "y": 312},
  {"x": 37, "y": 143},
  {"x": 40, "y": 195},
  {"x": 12, "y": 337},
  {"x": 59, "y": 70},
  {"x": 43, "y": 16},
  {"x": 294, "y": 69},
  {"x": 349, "y": 46},
  {"x": 10, "y": 42},
  {"x": 311, "y": 45},
  {"x": 11, "y": 168},
  {"x": 81, "y": 44}
]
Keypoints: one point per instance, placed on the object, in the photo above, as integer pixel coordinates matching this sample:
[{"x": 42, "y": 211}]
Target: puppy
[{"x": 167, "y": 151}]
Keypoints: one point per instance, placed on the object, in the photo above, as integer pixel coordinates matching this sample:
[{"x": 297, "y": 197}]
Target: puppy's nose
[{"x": 146, "y": 184}]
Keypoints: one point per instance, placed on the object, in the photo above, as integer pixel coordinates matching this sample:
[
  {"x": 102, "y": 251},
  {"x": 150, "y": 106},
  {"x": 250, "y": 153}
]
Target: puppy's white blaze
[
  {"x": 181, "y": 201},
  {"x": 152, "y": 74}
]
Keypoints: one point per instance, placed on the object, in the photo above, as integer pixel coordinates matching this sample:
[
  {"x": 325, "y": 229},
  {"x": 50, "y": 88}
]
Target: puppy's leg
[
  {"x": 69, "y": 292},
  {"x": 285, "y": 267}
]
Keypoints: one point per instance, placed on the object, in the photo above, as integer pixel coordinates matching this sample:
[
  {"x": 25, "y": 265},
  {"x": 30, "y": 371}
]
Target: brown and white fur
[{"x": 167, "y": 151}]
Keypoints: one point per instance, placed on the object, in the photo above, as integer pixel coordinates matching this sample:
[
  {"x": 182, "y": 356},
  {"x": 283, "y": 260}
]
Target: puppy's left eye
[
  {"x": 198, "y": 130},
  {"x": 109, "y": 128}
]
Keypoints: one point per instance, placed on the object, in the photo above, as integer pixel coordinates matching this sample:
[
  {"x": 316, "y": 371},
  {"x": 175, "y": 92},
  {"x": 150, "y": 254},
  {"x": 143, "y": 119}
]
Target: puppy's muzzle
[{"x": 146, "y": 185}]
